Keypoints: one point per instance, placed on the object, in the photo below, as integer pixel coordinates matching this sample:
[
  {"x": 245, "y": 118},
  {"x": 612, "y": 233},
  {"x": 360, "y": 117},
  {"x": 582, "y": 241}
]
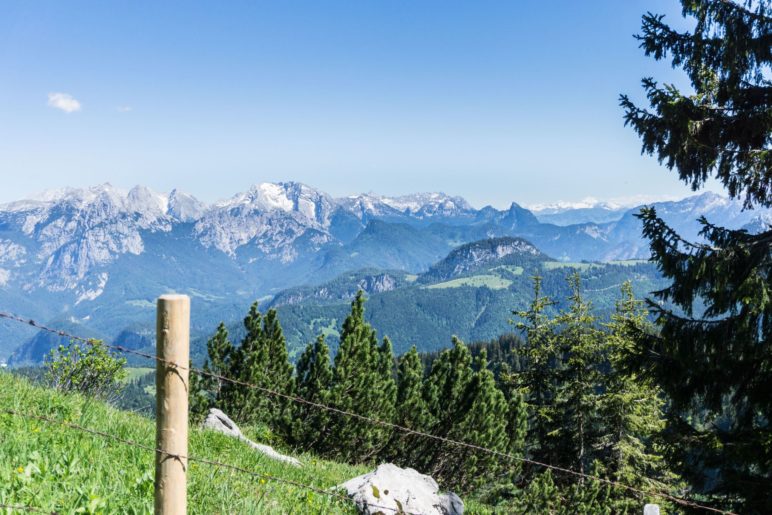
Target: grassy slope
[{"x": 56, "y": 468}]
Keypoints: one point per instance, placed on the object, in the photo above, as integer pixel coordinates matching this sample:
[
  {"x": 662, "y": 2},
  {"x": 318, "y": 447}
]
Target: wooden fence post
[{"x": 171, "y": 430}]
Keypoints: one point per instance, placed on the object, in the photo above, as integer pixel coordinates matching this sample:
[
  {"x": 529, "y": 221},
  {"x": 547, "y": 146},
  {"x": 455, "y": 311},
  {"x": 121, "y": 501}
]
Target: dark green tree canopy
[
  {"x": 722, "y": 128},
  {"x": 713, "y": 353}
]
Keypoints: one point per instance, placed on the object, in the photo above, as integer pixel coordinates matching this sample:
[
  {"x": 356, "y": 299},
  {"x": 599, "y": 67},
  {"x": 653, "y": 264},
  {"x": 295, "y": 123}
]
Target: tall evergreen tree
[
  {"x": 714, "y": 363},
  {"x": 483, "y": 422},
  {"x": 236, "y": 399},
  {"x": 362, "y": 382},
  {"x": 538, "y": 378},
  {"x": 220, "y": 350},
  {"x": 444, "y": 390},
  {"x": 261, "y": 360},
  {"x": 275, "y": 373},
  {"x": 314, "y": 377},
  {"x": 205, "y": 390},
  {"x": 631, "y": 410},
  {"x": 411, "y": 409},
  {"x": 580, "y": 343}
]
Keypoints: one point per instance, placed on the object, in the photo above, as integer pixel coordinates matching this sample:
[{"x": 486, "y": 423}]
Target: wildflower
[
  {"x": 20, "y": 470},
  {"x": 262, "y": 481}
]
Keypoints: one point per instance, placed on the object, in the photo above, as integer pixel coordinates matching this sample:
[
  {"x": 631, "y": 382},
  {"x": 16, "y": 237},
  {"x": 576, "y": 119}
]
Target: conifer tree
[
  {"x": 237, "y": 399},
  {"x": 631, "y": 410},
  {"x": 538, "y": 378},
  {"x": 261, "y": 360},
  {"x": 205, "y": 390},
  {"x": 220, "y": 350},
  {"x": 482, "y": 422},
  {"x": 517, "y": 416},
  {"x": 713, "y": 356},
  {"x": 411, "y": 409},
  {"x": 199, "y": 399},
  {"x": 314, "y": 378},
  {"x": 385, "y": 380},
  {"x": 362, "y": 382},
  {"x": 444, "y": 391},
  {"x": 275, "y": 373},
  {"x": 580, "y": 345}
]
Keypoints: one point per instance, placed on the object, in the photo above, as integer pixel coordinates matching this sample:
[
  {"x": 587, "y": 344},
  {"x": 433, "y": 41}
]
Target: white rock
[
  {"x": 391, "y": 489},
  {"x": 218, "y": 421}
]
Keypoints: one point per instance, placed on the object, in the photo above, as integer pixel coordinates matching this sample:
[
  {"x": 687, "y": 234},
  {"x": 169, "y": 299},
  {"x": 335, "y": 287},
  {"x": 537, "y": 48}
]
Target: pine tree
[
  {"x": 444, "y": 391},
  {"x": 713, "y": 356},
  {"x": 483, "y": 422},
  {"x": 237, "y": 399},
  {"x": 538, "y": 378},
  {"x": 576, "y": 397},
  {"x": 276, "y": 375},
  {"x": 261, "y": 360},
  {"x": 362, "y": 382},
  {"x": 219, "y": 351},
  {"x": 199, "y": 399},
  {"x": 206, "y": 390},
  {"x": 517, "y": 419},
  {"x": 631, "y": 408},
  {"x": 314, "y": 378},
  {"x": 411, "y": 409}
]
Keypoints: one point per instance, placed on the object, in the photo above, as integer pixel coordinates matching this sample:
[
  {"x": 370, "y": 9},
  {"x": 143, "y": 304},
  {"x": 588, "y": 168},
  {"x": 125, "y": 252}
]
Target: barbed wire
[
  {"x": 191, "y": 459},
  {"x": 22, "y": 507},
  {"x": 299, "y": 400}
]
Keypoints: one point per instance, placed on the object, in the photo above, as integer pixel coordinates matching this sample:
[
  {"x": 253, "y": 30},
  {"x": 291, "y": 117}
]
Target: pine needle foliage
[
  {"x": 713, "y": 355},
  {"x": 314, "y": 378},
  {"x": 362, "y": 382}
]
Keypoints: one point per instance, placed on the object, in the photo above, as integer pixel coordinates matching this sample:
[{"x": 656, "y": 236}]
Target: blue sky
[{"x": 492, "y": 100}]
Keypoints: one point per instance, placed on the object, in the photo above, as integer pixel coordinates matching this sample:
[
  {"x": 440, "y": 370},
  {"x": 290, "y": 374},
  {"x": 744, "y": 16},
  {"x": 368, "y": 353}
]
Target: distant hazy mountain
[
  {"x": 570, "y": 213},
  {"x": 100, "y": 256}
]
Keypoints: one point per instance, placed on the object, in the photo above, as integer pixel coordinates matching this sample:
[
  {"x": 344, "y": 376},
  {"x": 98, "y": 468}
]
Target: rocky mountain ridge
[{"x": 103, "y": 254}]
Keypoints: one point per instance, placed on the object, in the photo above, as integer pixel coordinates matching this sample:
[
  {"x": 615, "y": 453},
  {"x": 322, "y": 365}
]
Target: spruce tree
[
  {"x": 237, "y": 399},
  {"x": 538, "y": 377},
  {"x": 275, "y": 373},
  {"x": 575, "y": 402},
  {"x": 261, "y": 360},
  {"x": 517, "y": 417},
  {"x": 220, "y": 350},
  {"x": 206, "y": 390},
  {"x": 631, "y": 410},
  {"x": 362, "y": 382},
  {"x": 713, "y": 356},
  {"x": 314, "y": 377},
  {"x": 445, "y": 389},
  {"x": 411, "y": 409},
  {"x": 482, "y": 422}
]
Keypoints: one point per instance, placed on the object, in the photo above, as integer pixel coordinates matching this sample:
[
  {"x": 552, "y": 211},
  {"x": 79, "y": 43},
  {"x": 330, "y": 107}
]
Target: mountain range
[{"x": 97, "y": 258}]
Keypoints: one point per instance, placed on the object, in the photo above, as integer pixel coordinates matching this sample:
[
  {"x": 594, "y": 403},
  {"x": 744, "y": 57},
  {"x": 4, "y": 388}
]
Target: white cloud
[
  {"x": 123, "y": 109},
  {"x": 63, "y": 101}
]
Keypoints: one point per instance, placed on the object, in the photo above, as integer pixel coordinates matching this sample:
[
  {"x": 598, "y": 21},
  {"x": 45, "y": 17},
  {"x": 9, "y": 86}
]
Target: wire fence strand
[
  {"x": 25, "y": 508},
  {"x": 332, "y": 409}
]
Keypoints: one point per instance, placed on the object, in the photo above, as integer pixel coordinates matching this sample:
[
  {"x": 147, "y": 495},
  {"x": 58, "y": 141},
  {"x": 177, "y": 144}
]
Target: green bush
[{"x": 91, "y": 370}]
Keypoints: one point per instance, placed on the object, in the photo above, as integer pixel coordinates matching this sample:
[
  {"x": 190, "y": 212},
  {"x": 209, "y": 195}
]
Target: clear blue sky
[{"x": 493, "y": 100}]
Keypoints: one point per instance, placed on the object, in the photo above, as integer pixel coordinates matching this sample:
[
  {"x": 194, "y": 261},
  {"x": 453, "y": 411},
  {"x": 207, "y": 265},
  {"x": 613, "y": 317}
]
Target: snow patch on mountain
[
  {"x": 10, "y": 252},
  {"x": 269, "y": 216},
  {"x": 96, "y": 291},
  {"x": 77, "y": 230},
  {"x": 184, "y": 207},
  {"x": 419, "y": 205}
]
